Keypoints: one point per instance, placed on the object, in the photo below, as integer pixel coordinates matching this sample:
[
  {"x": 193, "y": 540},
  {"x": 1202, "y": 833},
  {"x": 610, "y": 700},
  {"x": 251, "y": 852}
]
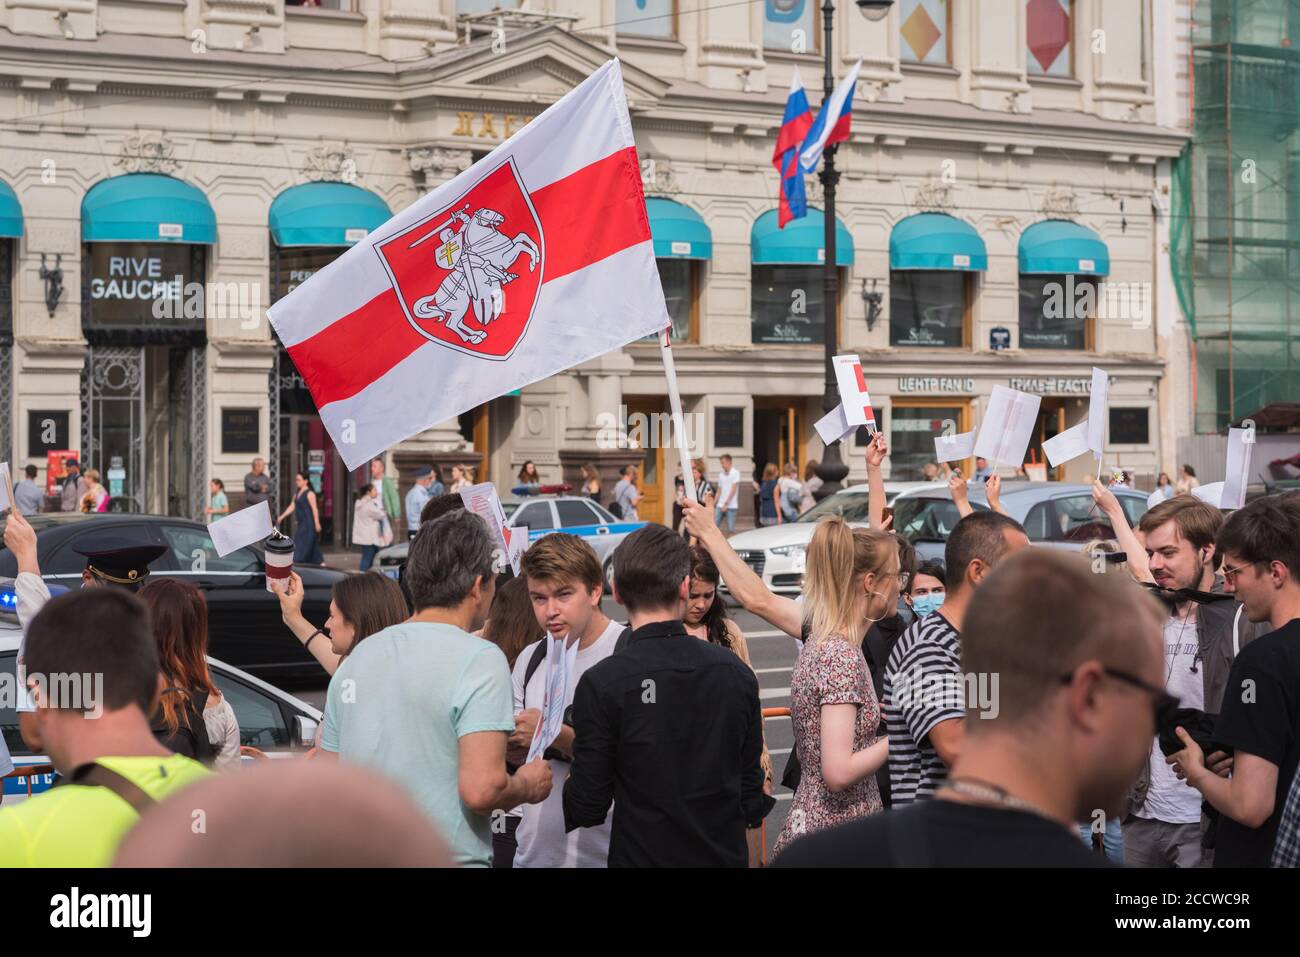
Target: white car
[
  {"x": 270, "y": 720},
  {"x": 777, "y": 552}
]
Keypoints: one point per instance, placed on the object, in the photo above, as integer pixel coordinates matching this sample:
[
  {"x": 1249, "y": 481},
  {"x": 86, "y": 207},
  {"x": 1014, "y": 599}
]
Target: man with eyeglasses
[
  {"x": 1206, "y": 627},
  {"x": 1260, "y": 718},
  {"x": 1079, "y": 667}
]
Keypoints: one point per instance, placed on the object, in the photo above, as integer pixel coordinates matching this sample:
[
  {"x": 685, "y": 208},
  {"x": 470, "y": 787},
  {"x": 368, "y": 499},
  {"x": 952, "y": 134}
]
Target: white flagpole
[{"x": 675, "y": 407}]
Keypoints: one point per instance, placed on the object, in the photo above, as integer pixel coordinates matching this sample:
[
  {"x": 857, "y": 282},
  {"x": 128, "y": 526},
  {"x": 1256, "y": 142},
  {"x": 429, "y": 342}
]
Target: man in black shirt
[
  {"x": 1077, "y": 662},
  {"x": 669, "y": 729},
  {"x": 1260, "y": 717}
]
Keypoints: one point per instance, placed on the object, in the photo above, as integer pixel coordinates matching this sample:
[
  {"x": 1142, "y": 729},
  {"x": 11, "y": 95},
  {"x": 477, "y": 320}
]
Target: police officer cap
[{"x": 117, "y": 560}]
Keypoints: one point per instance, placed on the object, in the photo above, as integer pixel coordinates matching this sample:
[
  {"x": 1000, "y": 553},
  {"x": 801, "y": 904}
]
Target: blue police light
[{"x": 8, "y": 598}]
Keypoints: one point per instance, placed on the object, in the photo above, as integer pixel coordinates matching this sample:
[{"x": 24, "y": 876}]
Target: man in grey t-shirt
[{"x": 257, "y": 484}]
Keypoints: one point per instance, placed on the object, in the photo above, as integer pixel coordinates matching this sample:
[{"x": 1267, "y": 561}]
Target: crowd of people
[{"x": 1006, "y": 706}]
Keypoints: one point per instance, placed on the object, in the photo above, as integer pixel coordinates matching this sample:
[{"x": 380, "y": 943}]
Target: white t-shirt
[
  {"x": 541, "y": 837},
  {"x": 1169, "y": 799},
  {"x": 726, "y": 482}
]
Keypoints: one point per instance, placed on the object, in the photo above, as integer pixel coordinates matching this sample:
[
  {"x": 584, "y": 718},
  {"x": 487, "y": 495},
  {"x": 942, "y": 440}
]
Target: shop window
[
  {"x": 791, "y": 26},
  {"x": 1129, "y": 426},
  {"x": 645, "y": 18},
  {"x": 912, "y": 431},
  {"x": 923, "y": 30},
  {"x": 1049, "y": 25},
  {"x": 1056, "y": 310},
  {"x": 786, "y": 304},
  {"x": 681, "y": 282},
  {"x": 928, "y": 308}
]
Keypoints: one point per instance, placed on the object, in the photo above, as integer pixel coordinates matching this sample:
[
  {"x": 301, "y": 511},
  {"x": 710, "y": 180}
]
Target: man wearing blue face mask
[{"x": 928, "y": 589}]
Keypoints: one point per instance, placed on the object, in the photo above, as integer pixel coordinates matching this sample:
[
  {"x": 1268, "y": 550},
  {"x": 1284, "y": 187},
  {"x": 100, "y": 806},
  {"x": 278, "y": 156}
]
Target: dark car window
[
  {"x": 9, "y": 707},
  {"x": 927, "y": 519},
  {"x": 851, "y": 506},
  {"x": 1134, "y": 508},
  {"x": 261, "y": 721},
  {"x": 1038, "y": 523},
  {"x": 1078, "y": 519},
  {"x": 535, "y": 515},
  {"x": 192, "y": 550},
  {"x": 601, "y": 515},
  {"x": 573, "y": 513}
]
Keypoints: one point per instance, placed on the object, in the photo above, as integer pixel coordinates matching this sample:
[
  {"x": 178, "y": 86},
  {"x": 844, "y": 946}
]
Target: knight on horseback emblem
[{"x": 477, "y": 257}]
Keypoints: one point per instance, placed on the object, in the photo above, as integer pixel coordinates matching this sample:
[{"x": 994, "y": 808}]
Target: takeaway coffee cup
[{"x": 279, "y": 562}]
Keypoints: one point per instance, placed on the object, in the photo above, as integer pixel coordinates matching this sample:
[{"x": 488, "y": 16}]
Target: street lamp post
[{"x": 832, "y": 469}]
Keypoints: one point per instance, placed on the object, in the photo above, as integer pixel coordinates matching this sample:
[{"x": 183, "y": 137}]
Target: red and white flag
[
  {"x": 853, "y": 392},
  {"x": 534, "y": 260}
]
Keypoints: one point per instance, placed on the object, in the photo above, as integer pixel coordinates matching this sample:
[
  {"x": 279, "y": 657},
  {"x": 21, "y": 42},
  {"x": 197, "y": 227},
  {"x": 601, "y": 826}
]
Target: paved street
[{"x": 773, "y": 655}]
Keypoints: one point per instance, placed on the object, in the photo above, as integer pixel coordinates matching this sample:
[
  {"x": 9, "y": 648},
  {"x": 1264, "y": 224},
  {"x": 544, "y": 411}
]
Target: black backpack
[
  {"x": 615, "y": 508},
  {"x": 191, "y": 735}
]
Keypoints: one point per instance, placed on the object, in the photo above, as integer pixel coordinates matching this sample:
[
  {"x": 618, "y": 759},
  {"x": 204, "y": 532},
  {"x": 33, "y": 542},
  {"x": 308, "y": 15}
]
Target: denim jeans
[
  {"x": 726, "y": 513},
  {"x": 368, "y": 553},
  {"x": 1112, "y": 839}
]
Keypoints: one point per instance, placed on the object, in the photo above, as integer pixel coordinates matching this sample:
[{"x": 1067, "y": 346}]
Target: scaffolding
[{"x": 1235, "y": 231}]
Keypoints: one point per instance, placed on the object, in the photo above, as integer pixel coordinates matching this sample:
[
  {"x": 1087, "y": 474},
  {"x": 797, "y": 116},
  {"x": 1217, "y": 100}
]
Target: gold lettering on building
[
  {"x": 463, "y": 127},
  {"x": 488, "y": 128},
  {"x": 496, "y": 126}
]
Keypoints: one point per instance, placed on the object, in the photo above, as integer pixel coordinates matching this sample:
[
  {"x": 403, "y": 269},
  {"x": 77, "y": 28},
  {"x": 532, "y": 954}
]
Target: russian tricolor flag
[
  {"x": 795, "y": 124},
  {"x": 832, "y": 123}
]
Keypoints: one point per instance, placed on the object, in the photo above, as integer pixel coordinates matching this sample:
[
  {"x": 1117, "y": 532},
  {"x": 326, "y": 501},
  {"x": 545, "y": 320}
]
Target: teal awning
[
  {"x": 679, "y": 232},
  {"x": 800, "y": 243},
  {"x": 1060, "y": 246},
  {"x": 325, "y": 214},
  {"x": 11, "y": 212},
  {"x": 146, "y": 208},
  {"x": 936, "y": 241}
]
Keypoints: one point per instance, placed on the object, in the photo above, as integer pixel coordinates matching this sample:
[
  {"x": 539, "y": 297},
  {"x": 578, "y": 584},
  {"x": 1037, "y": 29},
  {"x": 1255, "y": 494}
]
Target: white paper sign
[
  {"x": 518, "y": 541},
  {"x": 6, "y": 487},
  {"x": 833, "y": 426},
  {"x": 560, "y": 663},
  {"x": 1008, "y": 424},
  {"x": 1155, "y": 498},
  {"x": 241, "y": 528},
  {"x": 953, "y": 448},
  {"x": 1067, "y": 445},
  {"x": 482, "y": 499},
  {"x": 1097, "y": 411},
  {"x": 854, "y": 398},
  {"x": 1237, "y": 473},
  {"x": 1212, "y": 493}
]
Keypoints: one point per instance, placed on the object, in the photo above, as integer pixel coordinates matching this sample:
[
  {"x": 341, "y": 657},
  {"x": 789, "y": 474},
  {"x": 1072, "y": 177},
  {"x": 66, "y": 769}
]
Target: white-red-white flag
[
  {"x": 853, "y": 392},
  {"x": 534, "y": 260}
]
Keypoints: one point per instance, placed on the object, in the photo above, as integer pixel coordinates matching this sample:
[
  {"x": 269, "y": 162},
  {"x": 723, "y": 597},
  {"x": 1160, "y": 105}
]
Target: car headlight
[{"x": 788, "y": 551}]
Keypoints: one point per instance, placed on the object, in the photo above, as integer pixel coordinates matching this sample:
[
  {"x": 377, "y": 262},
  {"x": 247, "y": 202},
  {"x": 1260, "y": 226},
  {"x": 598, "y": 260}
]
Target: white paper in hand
[
  {"x": 953, "y": 448},
  {"x": 482, "y": 499},
  {"x": 6, "y": 487},
  {"x": 560, "y": 663},
  {"x": 517, "y": 542},
  {"x": 1237, "y": 473},
  {"x": 241, "y": 528},
  {"x": 1097, "y": 411},
  {"x": 1008, "y": 424},
  {"x": 1067, "y": 445},
  {"x": 834, "y": 426},
  {"x": 1212, "y": 493},
  {"x": 854, "y": 398}
]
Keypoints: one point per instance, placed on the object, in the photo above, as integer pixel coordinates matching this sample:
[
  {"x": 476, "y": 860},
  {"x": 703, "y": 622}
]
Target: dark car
[{"x": 244, "y": 624}]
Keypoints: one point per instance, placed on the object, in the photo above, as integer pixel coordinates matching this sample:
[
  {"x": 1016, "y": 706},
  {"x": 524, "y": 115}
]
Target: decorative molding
[
  {"x": 1060, "y": 201},
  {"x": 331, "y": 162},
  {"x": 147, "y": 153},
  {"x": 658, "y": 177},
  {"x": 436, "y": 164},
  {"x": 933, "y": 195}
]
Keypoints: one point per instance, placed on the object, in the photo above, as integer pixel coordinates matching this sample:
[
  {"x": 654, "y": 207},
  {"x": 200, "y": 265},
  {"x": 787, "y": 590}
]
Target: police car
[
  {"x": 543, "y": 515},
  {"x": 269, "y": 719}
]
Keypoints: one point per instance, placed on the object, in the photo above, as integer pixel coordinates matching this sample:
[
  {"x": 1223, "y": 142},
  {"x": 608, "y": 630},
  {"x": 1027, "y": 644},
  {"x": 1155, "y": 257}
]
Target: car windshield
[
  {"x": 851, "y": 506},
  {"x": 927, "y": 519}
]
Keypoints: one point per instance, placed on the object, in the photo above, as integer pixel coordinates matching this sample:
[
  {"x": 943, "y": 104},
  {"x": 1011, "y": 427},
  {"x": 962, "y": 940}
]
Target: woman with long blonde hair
[{"x": 852, "y": 580}]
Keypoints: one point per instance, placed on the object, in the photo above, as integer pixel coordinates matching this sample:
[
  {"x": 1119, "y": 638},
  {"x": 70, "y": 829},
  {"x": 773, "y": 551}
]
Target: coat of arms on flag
[{"x": 468, "y": 275}]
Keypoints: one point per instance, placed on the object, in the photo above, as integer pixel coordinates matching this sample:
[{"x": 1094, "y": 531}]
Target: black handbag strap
[{"x": 96, "y": 775}]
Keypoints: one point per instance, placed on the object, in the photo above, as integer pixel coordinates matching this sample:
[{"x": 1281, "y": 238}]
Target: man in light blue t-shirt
[{"x": 428, "y": 704}]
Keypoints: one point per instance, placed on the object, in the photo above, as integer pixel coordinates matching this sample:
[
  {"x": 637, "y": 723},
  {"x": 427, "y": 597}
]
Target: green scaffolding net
[{"x": 1235, "y": 223}]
